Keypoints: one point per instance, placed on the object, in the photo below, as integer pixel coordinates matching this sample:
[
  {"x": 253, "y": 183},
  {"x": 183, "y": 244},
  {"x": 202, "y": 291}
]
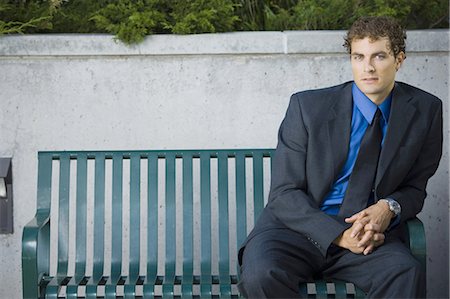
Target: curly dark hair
[{"x": 376, "y": 28}]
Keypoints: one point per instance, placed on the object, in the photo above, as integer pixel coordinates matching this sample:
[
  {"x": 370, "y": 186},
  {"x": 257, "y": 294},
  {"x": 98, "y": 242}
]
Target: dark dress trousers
[{"x": 292, "y": 240}]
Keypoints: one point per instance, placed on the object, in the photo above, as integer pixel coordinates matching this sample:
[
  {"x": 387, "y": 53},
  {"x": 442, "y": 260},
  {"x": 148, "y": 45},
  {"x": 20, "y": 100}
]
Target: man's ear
[{"x": 399, "y": 60}]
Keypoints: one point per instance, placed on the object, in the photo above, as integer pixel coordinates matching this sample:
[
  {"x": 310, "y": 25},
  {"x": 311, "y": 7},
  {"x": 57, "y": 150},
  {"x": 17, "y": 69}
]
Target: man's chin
[{"x": 368, "y": 89}]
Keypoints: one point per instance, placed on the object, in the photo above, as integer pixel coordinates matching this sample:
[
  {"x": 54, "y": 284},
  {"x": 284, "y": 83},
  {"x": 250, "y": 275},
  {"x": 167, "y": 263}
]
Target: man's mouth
[{"x": 370, "y": 80}]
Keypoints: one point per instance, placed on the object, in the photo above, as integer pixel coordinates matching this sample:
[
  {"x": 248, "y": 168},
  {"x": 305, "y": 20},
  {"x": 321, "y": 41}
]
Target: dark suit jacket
[{"x": 312, "y": 148}]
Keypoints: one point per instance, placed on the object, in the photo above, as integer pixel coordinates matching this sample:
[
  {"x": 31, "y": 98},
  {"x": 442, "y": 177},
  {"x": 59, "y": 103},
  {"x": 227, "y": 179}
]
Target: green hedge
[{"x": 132, "y": 20}]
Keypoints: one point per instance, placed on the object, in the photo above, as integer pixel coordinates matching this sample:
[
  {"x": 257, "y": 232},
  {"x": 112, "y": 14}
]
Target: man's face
[{"x": 374, "y": 67}]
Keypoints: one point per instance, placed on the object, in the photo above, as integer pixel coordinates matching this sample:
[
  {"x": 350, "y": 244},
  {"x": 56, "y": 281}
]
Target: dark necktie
[{"x": 363, "y": 175}]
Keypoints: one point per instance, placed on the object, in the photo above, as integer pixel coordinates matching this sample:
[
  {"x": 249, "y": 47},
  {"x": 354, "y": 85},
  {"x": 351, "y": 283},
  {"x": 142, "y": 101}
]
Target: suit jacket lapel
[
  {"x": 339, "y": 128},
  {"x": 401, "y": 115}
]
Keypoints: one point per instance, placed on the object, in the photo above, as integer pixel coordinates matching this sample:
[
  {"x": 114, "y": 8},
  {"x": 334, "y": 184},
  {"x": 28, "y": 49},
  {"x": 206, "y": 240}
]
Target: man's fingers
[
  {"x": 379, "y": 237},
  {"x": 377, "y": 240},
  {"x": 373, "y": 227},
  {"x": 366, "y": 239},
  {"x": 358, "y": 227},
  {"x": 356, "y": 216},
  {"x": 371, "y": 236},
  {"x": 351, "y": 219},
  {"x": 369, "y": 249}
]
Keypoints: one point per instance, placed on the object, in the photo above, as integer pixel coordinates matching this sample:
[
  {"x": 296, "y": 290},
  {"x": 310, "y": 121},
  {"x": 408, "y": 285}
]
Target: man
[{"x": 351, "y": 166}]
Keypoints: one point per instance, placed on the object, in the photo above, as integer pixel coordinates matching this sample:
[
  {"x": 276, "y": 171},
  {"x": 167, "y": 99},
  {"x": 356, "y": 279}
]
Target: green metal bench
[{"x": 146, "y": 224}]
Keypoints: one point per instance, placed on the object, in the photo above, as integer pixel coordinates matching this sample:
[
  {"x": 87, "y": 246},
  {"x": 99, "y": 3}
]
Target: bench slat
[
  {"x": 188, "y": 226},
  {"x": 170, "y": 238},
  {"x": 129, "y": 289},
  {"x": 91, "y": 288},
  {"x": 99, "y": 219},
  {"x": 53, "y": 288},
  {"x": 44, "y": 191},
  {"x": 152, "y": 218},
  {"x": 63, "y": 215},
  {"x": 241, "y": 199},
  {"x": 258, "y": 185},
  {"x": 116, "y": 226},
  {"x": 321, "y": 290},
  {"x": 72, "y": 290},
  {"x": 81, "y": 222},
  {"x": 117, "y": 221},
  {"x": 134, "y": 228},
  {"x": 341, "y": 290},
  {"x": 135, "y": 216},
  {"x": 81, "y": 215},
  {"x": 205, "y": 201},
  {"x": 224, "y": 226}
]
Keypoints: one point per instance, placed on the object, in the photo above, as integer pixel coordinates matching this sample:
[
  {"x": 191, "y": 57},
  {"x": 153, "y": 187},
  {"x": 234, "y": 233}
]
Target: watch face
[{"x": 394, "y": 207}]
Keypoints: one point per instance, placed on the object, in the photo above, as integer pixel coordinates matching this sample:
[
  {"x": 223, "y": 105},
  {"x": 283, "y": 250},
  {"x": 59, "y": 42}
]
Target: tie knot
[{"x": 376, "y": 118}]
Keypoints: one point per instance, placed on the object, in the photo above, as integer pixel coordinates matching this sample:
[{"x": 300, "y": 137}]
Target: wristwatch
[{"x": 394, "y": 206}]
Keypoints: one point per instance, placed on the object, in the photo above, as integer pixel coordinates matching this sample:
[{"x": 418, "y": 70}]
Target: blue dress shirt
[{"x": 363, "y": 113}]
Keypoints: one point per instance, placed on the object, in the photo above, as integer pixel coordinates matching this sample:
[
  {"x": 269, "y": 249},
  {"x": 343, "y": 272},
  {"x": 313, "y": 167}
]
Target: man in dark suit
[{"x": 351, "y": 166}]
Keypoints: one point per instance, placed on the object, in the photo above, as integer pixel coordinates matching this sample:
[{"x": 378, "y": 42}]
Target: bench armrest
[
  {"x": 417, "y": 242},
  {"x": 35, "y": 253}
]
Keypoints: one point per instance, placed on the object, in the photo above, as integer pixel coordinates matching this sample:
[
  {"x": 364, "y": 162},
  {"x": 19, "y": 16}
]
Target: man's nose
[{"x": 368, "y": 67}]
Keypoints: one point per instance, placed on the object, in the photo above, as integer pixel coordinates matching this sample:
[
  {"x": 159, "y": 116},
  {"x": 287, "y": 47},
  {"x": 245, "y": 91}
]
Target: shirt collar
[{"x": 367, "y": 107}]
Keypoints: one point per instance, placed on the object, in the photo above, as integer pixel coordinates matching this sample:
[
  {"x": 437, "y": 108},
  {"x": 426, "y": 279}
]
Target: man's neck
[{"x": 378, "y": 99}]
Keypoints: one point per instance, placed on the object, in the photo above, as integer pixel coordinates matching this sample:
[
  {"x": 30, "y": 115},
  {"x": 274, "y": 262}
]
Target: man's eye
[
  {"x": 380, "y": 56},
  {"x": 357, "y": 57}
]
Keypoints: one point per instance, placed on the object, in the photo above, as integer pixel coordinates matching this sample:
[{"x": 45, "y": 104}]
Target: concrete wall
[{"x": 70, "y": 92}]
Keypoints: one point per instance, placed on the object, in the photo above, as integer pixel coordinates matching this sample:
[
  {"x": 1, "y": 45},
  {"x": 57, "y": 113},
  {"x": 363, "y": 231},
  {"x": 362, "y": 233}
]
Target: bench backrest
[{"x": 153, "y": 213}]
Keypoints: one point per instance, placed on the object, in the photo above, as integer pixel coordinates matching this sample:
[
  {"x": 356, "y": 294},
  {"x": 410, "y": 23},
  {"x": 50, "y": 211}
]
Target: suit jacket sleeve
[{"x": 289, "y": 200}]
